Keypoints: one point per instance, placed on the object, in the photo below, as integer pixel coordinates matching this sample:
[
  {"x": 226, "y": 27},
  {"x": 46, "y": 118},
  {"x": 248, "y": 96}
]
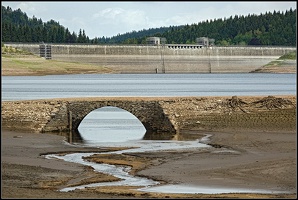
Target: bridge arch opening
[{"x": 110, "y": 124}]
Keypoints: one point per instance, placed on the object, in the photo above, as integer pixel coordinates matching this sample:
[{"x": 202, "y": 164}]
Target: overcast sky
[{"x": 109, "y": 18}]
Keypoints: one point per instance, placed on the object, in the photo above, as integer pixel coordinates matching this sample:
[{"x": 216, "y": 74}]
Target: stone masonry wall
[
  {"x": 63, "y": 115},
  {"x": 148, "y": 112},
  {"x": 158, "y": 114},
  {"x": 28, "y": 115}
]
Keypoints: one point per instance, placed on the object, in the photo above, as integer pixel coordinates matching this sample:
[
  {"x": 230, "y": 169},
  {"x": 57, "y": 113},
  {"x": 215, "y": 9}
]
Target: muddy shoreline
[{"x": 27, "y": 174}]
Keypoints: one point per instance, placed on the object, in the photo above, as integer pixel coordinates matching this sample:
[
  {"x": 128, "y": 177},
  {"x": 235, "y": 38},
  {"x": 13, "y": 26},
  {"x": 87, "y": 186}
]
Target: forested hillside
[
  {"x": 276, "y": 28},
  {"x": 266, "y": 29},
  {"x": 17, "y": 27}
]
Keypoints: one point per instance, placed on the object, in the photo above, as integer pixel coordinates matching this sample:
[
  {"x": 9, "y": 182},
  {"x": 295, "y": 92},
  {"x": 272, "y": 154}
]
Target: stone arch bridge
[
  {"x": 61, "y": 115},
  {"x": 150, "y": 113},
  {"x": 161, "y": 115}
]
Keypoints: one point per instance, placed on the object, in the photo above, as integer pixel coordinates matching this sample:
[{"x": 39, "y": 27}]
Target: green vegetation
[
  {"x": 277, "y": 28},
  {"x": 17, "y": 62},
  {"x": 281, "y": 59},
  {"x": 7, "y": 51},
  {"x": 289, "y": 56},
  {"x": 265, "y": 29}
]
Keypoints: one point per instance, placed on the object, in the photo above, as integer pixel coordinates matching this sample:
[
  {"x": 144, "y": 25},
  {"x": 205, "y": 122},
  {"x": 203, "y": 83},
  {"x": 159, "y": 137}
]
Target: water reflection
[
  {"x": 148, "y": 185},
  {"x": 122, "y": 172},
  {"x": 76, "y": 138},
  {"x": 70, "y": 137},
  {"x": 114, "y": 127},
  {"x": 110, "y": 124}
]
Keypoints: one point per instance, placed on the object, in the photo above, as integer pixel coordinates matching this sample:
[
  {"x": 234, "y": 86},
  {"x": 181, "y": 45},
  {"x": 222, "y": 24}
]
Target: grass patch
[
  {"x": 8, "y": 51},
  {"x": 281, "y": 59},
  {"x": 289, "y": 56},
  {"x": 278, "y": 66},
  {"x": 274, "y": 63},
  {"x": 21, "y": 63}
]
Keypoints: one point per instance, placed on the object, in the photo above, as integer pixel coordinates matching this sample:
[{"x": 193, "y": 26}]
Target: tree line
[
  {"x": 277, "y": 28},
  {"x": 18, "y": 27}
]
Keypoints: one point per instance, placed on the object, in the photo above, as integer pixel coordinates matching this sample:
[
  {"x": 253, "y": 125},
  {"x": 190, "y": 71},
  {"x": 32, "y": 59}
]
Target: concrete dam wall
[
  {"x": 165, "y": 59},
  {"x": 157, "y": 50}
]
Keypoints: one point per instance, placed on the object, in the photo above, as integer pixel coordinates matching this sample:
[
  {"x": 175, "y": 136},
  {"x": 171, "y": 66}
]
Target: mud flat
[
  {"x": 262, "y": 159},
  {"x": 243, "y": 154}
]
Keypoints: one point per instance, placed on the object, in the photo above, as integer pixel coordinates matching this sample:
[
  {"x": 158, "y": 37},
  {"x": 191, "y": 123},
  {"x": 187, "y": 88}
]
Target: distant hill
[
  {"x": 277, "y": 28},
  {"x": 137, "y": 37},
  {"x": 265, "y": 29}
]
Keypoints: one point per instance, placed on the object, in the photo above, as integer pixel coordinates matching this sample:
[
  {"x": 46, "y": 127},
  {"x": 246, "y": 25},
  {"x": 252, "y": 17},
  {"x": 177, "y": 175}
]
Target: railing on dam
[{"x": 184, "y": 46}]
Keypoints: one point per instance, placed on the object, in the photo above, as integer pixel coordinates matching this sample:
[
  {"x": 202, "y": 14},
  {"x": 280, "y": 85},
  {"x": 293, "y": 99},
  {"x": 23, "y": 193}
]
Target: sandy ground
[{"x": 257, "y": 160}]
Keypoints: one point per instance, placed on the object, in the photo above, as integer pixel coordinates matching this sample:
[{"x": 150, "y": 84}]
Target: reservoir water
[
  {"x": 110, "y": 126},
  {"x": 110, "y": 122},
  {"x": 88, "y": 85}
]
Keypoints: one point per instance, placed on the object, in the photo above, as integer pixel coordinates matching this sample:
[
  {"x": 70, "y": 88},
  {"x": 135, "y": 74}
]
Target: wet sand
[{"x": 243, "y": 159}]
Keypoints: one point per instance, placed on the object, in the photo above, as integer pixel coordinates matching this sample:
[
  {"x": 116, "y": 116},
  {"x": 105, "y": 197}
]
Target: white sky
[{"x": 109, "y": 18}]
